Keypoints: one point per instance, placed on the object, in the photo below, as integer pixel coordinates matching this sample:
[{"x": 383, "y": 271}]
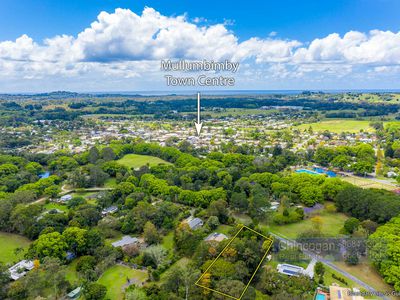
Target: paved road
[{"x": 330, "y": 264}]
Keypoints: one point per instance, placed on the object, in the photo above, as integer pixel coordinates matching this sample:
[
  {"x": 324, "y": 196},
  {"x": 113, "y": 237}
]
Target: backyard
[
  {"x": 116, "y": 280},
  {"x": 9, "y": 242}
]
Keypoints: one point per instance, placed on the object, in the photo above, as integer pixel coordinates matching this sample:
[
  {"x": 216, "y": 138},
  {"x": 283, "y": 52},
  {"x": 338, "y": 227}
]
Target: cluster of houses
[{"x": 195, "y": 223}]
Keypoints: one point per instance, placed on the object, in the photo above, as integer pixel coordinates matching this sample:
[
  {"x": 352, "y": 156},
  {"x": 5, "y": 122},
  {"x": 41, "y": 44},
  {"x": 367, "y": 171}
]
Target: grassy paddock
[
  {"x": 332, "y": 223},
  {"x": 339, "y": 125},
  {"x": 9, "y": 242},
  {"x": 137, "y": 161},
  {"x": 115, "y": 278}
]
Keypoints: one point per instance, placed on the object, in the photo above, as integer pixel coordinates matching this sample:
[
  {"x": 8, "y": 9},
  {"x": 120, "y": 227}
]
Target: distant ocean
[
  {"x": 241, "y": 92},
  {"x": 213, "y": 92}
]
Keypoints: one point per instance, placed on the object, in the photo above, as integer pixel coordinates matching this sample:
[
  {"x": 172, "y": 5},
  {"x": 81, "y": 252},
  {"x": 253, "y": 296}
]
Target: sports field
[
  {"x": 137, "y": 161},
  {"x": 9, "y": 242}
]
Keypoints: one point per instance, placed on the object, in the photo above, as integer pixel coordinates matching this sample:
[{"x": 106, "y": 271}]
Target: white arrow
[{"x": 198, "y": 124}]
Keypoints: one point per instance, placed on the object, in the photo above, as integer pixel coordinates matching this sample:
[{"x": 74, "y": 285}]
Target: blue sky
[
  {"x": 294, "y": 19},
  {"x": 280, "y": 44}
]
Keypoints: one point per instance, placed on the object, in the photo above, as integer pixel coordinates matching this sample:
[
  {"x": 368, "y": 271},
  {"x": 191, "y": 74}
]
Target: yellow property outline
[{"x": 252, "y": 276}]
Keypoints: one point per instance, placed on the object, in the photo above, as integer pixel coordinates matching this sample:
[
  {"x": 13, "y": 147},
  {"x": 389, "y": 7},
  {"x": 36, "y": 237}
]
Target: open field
[
  {"x": 9, "y": 242},
  {"x": 338, "y": 125},
  {"x": 369, "y": 183},
  {"x": 137, "y": 161},
  {"x": 235, "y": 112},
  {"x": 332, "y": 223},
  {"x": 115, "y": 279}
]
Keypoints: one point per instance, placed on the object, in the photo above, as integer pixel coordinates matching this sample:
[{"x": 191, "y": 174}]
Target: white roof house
[
  {"x": 65, "y": 198},
  {"x": 109, "y": 210},
  {"x": 217, "y": 237},
  {"x": 20, "y": 269},
  {"x": 125, "y": 241}
]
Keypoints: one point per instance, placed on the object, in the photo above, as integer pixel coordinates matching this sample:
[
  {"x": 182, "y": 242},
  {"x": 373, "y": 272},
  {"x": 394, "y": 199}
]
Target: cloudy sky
[{"x": 117, "y": 46}]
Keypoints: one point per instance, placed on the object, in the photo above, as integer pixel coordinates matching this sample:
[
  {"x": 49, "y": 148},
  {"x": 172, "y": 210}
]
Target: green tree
[
  {"x": 52, "y": 191},
  {"x": 150, "y": 233},
  {"x": 94, "y": 291},
  {"x": 351, "y": 225},
  {"x": 319, "y": 268},
  {"x": 93, "y": 155},
  {"x": 108, "y": 154},
  {"x": 310, "y": 195},
  {"x": 50, "y": 244}
]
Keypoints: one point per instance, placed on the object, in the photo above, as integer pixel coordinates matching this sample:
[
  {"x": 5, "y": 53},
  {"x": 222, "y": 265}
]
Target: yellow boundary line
[{"x": 252, "y": 276}]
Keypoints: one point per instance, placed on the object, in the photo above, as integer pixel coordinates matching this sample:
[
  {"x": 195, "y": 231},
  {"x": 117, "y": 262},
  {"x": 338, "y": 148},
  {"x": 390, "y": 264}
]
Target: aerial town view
[{"x": 175, "y": 150}]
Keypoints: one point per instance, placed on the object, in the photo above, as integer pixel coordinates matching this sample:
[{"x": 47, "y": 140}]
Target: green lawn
[
  {"x": 339, "y": 125},
  {"x": 225, "y": 229},
  {"x": 110, "y": 183},
  {"x": 115, "y": 279},
  {"x": 328, "y": 279},
  {"x": 52, "y": 205},
  {"x": 332, "y": 223},
  {"x": 168, "y": 241},
  {"x": 137, "y": 161},
  {"x": 9, "y": 242},
  {"x": 71, "y": 274}
]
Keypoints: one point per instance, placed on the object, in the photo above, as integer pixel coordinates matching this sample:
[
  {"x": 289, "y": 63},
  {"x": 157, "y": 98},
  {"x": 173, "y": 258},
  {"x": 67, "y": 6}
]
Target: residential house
[
  {"x": 125, "y": 241},
  {"x": 194, "y": 223},
  {"x": 109, "y": 210},
  {"x": 216, "y": 237},
  {"x": 20, "y": 269}
]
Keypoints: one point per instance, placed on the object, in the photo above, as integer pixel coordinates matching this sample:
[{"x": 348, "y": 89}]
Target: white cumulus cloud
[{"x": 128, "y": 46}]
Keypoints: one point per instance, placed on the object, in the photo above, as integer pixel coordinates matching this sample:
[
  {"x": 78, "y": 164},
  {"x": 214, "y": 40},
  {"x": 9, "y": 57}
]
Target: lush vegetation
[{"x": 151, "y": 191}]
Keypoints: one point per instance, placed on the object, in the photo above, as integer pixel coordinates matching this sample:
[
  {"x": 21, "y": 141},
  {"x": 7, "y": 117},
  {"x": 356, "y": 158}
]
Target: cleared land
[
  {"x": 9, "y": 242},
  {"x": 339, "y": 125},
  {"x": 115, "y": 279},
  {"x": 137, "y": 161},
  {"x": 332, "y": 223}
]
